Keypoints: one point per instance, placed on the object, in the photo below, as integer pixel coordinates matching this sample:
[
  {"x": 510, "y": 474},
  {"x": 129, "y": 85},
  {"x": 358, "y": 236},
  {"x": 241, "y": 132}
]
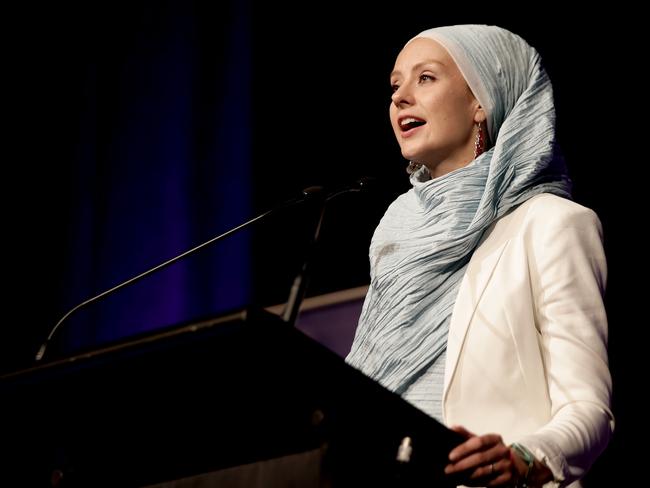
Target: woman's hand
[{"x": 484, "y": 461}]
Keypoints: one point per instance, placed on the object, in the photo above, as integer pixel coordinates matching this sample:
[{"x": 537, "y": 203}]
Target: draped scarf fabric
[{"x": 420, "y": 250}]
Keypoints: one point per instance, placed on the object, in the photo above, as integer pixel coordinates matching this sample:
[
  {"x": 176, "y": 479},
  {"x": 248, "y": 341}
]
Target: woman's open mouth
[{"x": 410, "y": 125}]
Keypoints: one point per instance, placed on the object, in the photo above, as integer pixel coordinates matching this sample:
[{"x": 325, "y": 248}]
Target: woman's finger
[
  {"x": 474, "y": 444},
  {"x": 478, "y": 458},
  {"x": 462, "y": 431},
  {"x": 494, "y": 470}
]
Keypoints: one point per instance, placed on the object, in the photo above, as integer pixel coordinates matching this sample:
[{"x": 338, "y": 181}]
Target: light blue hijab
[{"x": 421, "y": 248}]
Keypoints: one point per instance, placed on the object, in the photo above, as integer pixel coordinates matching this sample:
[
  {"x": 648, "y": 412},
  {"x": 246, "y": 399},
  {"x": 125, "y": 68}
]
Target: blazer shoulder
[
  {"x": 547, "y": 209},
  {"x": 539, "y": 217}
]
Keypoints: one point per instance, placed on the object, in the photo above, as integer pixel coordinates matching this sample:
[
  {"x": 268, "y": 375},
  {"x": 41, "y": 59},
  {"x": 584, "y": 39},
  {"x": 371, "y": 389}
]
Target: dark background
[{"x": 233, "y": 108}]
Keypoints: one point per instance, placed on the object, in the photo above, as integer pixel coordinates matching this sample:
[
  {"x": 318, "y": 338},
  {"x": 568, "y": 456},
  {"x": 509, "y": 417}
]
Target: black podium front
[{"x": 238, "y": 400}]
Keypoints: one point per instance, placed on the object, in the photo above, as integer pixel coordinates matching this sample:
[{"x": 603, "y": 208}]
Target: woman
[{"x": 485, "y": 307}]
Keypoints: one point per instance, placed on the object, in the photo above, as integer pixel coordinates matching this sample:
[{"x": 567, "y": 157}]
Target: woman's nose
[{"x": 402, "y": 96}]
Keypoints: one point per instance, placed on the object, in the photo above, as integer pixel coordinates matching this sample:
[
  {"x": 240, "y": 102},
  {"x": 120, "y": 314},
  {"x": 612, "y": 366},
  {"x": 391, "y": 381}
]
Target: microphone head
[
  {"x": 362, "y": 184},
  {"x": 312, "y": 191},
  {"x": 367, "y": 183}
]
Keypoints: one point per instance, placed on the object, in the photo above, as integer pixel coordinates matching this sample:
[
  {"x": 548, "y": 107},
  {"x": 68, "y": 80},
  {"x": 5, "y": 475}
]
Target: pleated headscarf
[{"x": 421, "y": 248}]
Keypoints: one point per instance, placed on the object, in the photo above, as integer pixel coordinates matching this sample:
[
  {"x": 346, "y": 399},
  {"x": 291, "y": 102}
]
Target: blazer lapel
[{"x": 477, "y": 276}]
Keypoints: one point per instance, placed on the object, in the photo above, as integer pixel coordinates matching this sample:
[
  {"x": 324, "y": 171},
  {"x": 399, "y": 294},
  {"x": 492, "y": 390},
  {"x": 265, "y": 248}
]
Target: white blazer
[{"x": 527, "y": 347}]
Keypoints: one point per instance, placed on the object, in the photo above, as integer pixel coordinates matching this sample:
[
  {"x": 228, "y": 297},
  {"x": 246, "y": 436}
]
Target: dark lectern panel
[{"x": 209, "y": 396}]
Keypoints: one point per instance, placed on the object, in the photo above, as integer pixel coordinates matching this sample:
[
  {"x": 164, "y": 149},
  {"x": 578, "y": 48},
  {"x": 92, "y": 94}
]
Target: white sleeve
[{"x": 568, "y": 270}]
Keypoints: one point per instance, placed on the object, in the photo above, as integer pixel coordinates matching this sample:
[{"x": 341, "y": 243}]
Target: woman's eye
[
  {"x": 426, "y": 78},
  {"x": 394, "y": 88}
]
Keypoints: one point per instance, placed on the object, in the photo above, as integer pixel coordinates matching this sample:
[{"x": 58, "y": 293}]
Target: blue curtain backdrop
[
  {"x": 152, "y": 125},
  {"x": 162, "y": 162}
]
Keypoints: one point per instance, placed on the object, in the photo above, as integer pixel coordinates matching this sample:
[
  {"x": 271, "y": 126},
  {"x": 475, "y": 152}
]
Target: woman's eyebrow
[{"x": 419, "y": 65}]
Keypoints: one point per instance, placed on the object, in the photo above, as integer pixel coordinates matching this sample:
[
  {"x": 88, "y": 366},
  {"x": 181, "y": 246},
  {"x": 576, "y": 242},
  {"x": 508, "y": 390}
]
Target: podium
[{"x": 236, "y": 400}]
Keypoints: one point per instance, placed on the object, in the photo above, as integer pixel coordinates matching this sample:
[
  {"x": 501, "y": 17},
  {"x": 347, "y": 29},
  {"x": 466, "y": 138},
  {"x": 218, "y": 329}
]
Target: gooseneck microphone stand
[
  {"x": 297, "y": 292},
  {"x": 307, "y": 194}
]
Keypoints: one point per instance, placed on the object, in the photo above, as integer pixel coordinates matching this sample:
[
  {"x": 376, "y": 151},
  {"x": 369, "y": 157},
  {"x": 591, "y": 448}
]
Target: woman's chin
[{"x": 411, "y": 156}]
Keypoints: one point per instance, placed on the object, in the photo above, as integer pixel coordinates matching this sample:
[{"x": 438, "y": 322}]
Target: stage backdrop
[{"x": 146, "y": 127}]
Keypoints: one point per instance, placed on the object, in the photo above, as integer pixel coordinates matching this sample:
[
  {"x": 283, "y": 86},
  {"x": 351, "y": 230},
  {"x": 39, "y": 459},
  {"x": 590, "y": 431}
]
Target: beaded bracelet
[{"x": 527, "y": 457}]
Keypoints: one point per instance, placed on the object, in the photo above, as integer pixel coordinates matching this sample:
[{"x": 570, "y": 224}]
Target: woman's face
[{"x": 433, "y": 112}]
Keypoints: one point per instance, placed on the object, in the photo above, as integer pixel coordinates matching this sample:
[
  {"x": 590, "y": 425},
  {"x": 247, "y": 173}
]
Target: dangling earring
[
  {"x": 413, "y": 167},
  {"x": 479, "y": 144}
]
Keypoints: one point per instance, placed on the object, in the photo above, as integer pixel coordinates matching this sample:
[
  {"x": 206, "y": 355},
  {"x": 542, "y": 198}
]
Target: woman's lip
[{"x": 412, "y": 131}]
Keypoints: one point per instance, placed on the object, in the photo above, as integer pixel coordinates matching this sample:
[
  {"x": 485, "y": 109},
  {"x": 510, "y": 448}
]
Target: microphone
[
  {"x": 299, "y": 286},
  {"x": 309, "y": 193}
]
